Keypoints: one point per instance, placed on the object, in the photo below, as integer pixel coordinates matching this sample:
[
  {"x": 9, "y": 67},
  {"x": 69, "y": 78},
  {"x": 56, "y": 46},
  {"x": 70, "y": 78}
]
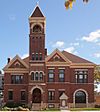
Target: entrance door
[{"x": 36, "y": 96}]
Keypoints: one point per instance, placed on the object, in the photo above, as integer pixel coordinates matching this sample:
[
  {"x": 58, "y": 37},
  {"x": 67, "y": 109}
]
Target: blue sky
[{"x": 76, "y": 30}]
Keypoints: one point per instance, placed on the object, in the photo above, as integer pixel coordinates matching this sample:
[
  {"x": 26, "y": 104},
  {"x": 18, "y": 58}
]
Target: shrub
[
  {"x": 5, "y": 109},
  {"x": 13, "y": 105},
  {"x": 97, "y": 106}
]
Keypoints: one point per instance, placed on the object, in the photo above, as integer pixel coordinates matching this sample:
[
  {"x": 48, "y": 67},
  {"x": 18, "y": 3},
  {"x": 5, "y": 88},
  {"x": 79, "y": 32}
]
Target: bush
[
  {"x": 22, "y": 109},
  {"x": 11, "y": 105},
  {"x": 5, "y": 109},
  {"x": 97, "y": 106}
]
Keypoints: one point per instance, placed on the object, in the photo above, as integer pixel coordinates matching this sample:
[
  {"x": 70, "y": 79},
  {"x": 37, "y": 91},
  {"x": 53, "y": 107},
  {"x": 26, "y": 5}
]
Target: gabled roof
[
  {"x": 26, "y": 60},
  {"x": 56, "y": 51},
  {"x": 37, "y": 12},
  {"x": 13, "y": 60},
  {"x": 63, "y": 97},
  {"x": 75, "y": 59}
]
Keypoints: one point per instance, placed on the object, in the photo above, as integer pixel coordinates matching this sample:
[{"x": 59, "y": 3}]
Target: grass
[
  {"x": 85, "y": 109},
  {"x": 51, "y": 109},
  {"x": 73, "y": 109}
]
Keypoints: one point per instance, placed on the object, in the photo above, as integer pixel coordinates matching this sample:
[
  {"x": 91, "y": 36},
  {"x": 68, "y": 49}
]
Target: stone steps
[{"x": 36, "y": 106}]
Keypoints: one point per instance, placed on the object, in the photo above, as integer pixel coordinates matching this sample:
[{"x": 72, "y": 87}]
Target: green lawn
[
  {"x": 85, "y": 109},
  {"x": 73, "y": 109}
]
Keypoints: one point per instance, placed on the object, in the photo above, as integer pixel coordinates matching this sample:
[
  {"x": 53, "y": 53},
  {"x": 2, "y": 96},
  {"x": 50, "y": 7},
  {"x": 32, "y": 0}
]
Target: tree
[
  {"x": 69, "y": 3},
  {"x": 97, "y": 74}
]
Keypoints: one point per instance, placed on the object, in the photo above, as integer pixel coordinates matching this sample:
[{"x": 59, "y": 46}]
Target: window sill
[
  {"x": 10, "y": 100},
  {"x": 51, "y": 101},
  {"x": 23, "y": 100}
]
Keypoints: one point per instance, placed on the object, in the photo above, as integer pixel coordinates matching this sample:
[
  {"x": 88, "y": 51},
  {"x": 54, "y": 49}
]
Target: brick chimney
[
  {"x": 8, "y": 60},
  {"x": 45, "y": 52}
]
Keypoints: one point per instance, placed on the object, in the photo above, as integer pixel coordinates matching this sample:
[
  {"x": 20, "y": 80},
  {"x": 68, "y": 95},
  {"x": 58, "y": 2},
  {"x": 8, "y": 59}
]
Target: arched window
[
  {"x": 36, "y": 76},
  {"x": 41, "y": 76},
  {"x": 32, "y": 76},
  {"x": 40, "y": 56},
  {"x": 80, "y": 97},
  {"x": 37, "y": 29},
  {"x": 36, "y": 56},
  {"x": 33, "y": 56}
]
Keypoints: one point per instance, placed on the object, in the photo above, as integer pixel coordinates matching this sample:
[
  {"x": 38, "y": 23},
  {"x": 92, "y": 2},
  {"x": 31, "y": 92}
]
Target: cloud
[
  {"x": 59, "y": 44},
  {"x": 74, "y": 44},
  {"x": 93, "y": 37},
  {"x": 70, "y": 49},
  {"x": 25, "y": 55},
  {"x": 97, "y": 55}
]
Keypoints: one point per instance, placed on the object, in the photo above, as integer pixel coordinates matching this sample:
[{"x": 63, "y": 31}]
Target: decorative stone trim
[
  {"x": 61, "y": 68},
  {"x": 36, "y": 64},
  {"x": 38, "y": 88},
  {"x": 51, "y": 89},
  {"x": 36, "y": 71},
  {"x": 85, "y": 93}
]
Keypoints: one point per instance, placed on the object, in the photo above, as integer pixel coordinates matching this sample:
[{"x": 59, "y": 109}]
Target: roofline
[{"x": 37, "y": 5}]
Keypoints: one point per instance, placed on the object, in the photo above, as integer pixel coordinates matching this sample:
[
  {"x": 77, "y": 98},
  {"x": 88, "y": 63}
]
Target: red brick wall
[{"x": 15, "y": 87}]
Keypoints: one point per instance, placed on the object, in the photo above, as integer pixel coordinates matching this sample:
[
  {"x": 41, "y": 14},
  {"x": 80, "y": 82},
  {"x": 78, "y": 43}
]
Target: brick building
[
  {"x": 59, "y": 80},
  {"x": 1, "y": 84}
]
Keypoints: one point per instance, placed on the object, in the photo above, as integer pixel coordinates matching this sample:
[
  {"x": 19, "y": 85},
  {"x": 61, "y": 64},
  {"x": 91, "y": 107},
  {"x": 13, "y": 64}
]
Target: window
[
  {"x": 61, "y": 75},
  {"x": 16, "y": 79},
  {"x": 40, "y": 56},
  {"x": 37, "y": 28},
  {"x": 51, "y": 76},
  {"x": 81, "y": 76},
  {"x": 56, "y": 58},
  {"x": 10, "y": 95},
  {"x": 17, "y": 65},
  {"x": 80, "y": 97},
  {"x": 32, "y": 76},
  {"x": 22, "y": 95},
  {"x": 33, "y": 57},
  {"x": 51, "y": 95},
  {"x": 36, "y": 56},
  {"x": 37, "y": 76},
  {"x": 41, "y": 76}
]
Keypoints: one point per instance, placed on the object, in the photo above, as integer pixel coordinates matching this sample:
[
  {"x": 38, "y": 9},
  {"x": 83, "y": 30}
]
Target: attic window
[
  {"x": 56, "y": 59},
  {"x": 17, "y": 65},
  {"x": 37, "y": 29}
]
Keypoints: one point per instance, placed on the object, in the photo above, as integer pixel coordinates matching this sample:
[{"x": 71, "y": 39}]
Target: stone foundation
[
  {"x": 79, "y": 105},
  {"x": 57, "y": 105}
]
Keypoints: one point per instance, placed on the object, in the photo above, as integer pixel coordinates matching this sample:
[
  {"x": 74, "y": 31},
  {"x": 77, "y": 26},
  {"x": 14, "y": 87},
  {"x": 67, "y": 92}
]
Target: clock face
[{"x": 37, "y": 28}]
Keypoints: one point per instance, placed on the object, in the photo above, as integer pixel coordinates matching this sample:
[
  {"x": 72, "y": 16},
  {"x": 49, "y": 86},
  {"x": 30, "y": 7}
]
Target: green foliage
[
  {"x": 5, "y": 109},
  {"x": 11, "y": 106},
  {"x": 97, "y": 74}
]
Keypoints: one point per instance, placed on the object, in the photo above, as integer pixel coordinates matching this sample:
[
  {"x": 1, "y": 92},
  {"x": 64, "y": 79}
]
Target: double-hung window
[
  {"x": 61, "y": 75},
  {"x": 81, "y": 76},
  {"x": 51, "y": 95},
  {"x": 51, "y": 76}
]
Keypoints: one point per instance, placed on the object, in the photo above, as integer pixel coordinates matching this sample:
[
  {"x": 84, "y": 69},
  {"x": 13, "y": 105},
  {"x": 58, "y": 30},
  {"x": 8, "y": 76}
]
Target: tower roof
[{"x": 37, "y": 12}]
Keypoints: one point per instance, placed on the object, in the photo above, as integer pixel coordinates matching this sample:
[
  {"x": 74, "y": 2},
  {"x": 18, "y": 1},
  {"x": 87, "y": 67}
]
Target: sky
[{"x": 76, "y": 30}]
